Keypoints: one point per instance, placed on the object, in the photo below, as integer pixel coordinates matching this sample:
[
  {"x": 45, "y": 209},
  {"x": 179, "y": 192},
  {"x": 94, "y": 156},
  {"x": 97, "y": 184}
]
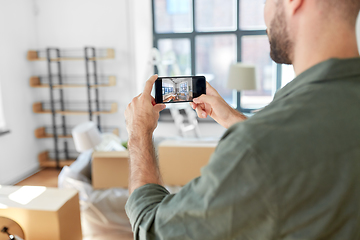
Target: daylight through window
[{"x": 203, "y": 37}]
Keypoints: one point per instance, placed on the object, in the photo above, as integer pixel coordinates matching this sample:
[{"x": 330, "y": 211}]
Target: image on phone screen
[{"x": 179, "y": 89}]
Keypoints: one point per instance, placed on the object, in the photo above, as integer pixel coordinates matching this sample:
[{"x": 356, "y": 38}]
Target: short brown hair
[{"x": 346, "y": 9}]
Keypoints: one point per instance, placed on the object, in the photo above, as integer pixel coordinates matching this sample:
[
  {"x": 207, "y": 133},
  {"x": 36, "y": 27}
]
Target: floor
[{"x": 48, "y": 177}]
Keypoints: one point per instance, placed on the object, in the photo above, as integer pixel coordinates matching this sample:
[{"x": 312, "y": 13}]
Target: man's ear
[{"x": 293, "y": 6}]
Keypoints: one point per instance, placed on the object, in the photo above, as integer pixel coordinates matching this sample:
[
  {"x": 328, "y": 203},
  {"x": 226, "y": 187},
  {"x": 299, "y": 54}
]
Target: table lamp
[
  {"x": 86, "y": 136},
  {"x": 242, "y": 77}
]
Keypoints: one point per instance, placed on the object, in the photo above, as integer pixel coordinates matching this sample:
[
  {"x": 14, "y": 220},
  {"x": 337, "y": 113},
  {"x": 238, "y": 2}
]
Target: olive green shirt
[{"x": 292, "y": 171}]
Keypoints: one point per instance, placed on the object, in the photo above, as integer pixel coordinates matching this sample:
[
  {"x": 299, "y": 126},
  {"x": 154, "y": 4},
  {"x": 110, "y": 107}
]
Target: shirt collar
[{"x": 328, "y": 70}]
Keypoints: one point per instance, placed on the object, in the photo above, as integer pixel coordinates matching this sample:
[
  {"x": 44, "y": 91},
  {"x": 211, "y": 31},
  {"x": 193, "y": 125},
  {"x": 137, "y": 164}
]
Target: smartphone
[{"x": 179, "y": 89}]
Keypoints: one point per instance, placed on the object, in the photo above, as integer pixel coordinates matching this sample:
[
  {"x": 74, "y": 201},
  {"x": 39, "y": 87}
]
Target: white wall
[
  {"x": 124, "y": 25},
  {"x": 19, "y": 149},
  {"x": 2, "y": 117},
  {"x": 140, "y": 28},
  {"x": 75, "y": 24}
]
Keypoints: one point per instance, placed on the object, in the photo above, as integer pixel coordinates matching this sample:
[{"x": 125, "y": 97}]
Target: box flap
[{"x": 40, "y": 198}]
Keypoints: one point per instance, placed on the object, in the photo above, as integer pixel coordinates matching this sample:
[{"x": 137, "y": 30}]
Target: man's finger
[
  {"x": 201, "y": 113},
  {"x": 149, "y": 84},
  {"x": 193, "y": 105},
  {"x": 159, "y": 107},
  {"x": 205, "y": 99}
]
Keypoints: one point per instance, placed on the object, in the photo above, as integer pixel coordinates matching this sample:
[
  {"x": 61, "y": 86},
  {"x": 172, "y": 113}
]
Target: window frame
[{"x": 192, "y": 35}]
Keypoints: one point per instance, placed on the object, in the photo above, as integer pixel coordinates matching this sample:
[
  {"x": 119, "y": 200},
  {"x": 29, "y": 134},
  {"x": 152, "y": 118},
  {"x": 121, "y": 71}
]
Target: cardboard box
[
  {"x": 181, "y": 161},
  {"x": 43, "y": 213},
  {"x": 110, "y": 169}
]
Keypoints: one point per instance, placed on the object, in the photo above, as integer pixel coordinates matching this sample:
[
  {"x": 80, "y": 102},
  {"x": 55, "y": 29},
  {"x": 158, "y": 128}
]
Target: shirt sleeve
[{"x": 233, "y": 198}]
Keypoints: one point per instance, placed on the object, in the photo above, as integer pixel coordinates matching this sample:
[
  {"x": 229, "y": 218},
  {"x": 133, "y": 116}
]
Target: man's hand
[
  {"x": 213, "y": 105},
  {"x": 142, "y": 114}
]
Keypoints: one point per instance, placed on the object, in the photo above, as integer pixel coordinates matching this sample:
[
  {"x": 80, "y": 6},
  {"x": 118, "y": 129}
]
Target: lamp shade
[
  {"x": 86, "y": 136},
  {"x": 242, "y": 77}
]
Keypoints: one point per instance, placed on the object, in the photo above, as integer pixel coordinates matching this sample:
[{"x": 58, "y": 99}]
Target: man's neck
[{"x": 323, "y": 45}]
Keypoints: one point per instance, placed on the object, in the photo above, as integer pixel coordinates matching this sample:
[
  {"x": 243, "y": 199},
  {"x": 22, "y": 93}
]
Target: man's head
[{"x": 284, "y": 18}]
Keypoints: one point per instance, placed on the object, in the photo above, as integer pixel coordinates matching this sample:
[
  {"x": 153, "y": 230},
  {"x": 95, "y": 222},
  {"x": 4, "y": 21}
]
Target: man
[{"x": 292, "y": 171}]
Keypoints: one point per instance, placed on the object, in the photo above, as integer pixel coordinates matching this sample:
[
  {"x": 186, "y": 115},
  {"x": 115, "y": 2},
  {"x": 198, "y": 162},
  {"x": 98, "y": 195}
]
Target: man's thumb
[{"x": 159, "y": 107}]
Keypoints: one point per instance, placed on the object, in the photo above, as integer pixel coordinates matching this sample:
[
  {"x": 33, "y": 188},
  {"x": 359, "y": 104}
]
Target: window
[
  {"x": 206, "y": 36},
  {"x": 183, "y": 87},
  {"x": 288, "y": 74}
]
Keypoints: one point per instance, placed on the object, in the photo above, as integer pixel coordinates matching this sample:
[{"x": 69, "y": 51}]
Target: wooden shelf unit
[
  {"x": 33, "y": 55},
  {"x": 45, "y": 161},
  {"x": 38, "y": 108},
  {"x": 55, "y": 80},
  {"x": 41, "y": 133},
  {"x": 36, "y": 83}
]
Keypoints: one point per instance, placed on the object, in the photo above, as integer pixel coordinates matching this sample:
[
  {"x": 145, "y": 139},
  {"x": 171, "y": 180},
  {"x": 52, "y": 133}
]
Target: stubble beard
[{"x": 281, "y": 46}]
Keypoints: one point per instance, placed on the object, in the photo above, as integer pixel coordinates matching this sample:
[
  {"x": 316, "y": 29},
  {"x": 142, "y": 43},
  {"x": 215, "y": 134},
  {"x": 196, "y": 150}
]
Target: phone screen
[{"x": 179, "y": 89}]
